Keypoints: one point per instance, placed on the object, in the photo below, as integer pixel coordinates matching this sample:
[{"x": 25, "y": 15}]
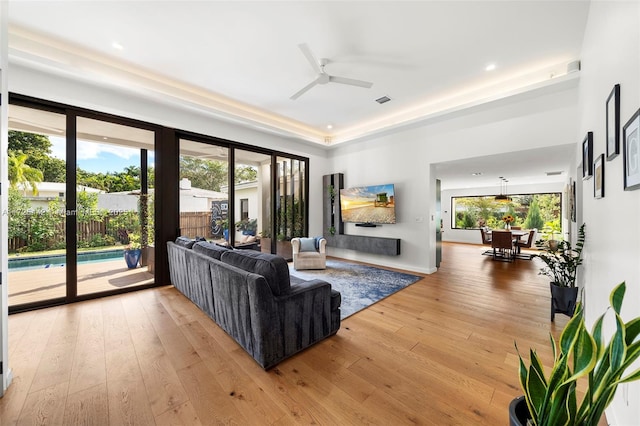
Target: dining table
[{"x": 515, "y": 233}]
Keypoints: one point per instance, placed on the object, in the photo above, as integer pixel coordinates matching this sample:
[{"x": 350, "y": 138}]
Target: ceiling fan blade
[
  {"x": 304, "y": 89},
  {"x": 350, "y": 81},
  {"x": 310, "y": 57}
]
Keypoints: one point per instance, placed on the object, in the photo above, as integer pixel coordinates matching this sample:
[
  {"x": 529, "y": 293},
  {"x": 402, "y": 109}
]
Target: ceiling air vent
[
  {"x": 383, "y": 99},
  {"x": 553, "y": 173}
]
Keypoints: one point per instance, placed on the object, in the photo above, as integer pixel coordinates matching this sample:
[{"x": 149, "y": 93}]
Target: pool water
[{"x": 43, "y": 262}]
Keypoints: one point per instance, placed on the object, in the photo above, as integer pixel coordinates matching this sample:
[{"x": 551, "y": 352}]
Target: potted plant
[
  {"x": 224, "y": 225},
  {"x": 247, "y": 226},
  {"x": 561, "y": 264},
  {"x": 579, "y": 355},
  {"x": 133, "y": 251},
  {"x": 549, "y": 232}
]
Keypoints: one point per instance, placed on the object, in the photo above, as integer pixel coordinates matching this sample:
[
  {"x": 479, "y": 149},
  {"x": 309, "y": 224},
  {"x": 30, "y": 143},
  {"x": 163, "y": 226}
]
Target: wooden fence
[
  {"x": 192, "y": 224},
  {"x": 195, "y": 224}
]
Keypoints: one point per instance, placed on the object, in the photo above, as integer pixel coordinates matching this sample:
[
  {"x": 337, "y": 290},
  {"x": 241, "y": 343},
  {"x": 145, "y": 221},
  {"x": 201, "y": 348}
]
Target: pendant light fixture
[{"x": 503, "y": 197}]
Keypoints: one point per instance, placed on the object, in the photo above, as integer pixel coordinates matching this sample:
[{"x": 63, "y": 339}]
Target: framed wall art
[
  {"x": 613, "y": 123},
  {"x": 598, "y": 173},
  {"x": 587, "y": 156},
  {"x": 631, "y": 152},
  {"x": 572, "y": 201}
]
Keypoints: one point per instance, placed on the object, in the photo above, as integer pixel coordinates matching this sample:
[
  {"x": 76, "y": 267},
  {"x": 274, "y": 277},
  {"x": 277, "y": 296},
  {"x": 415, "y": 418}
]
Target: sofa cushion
[
  {"x": 272, "y": 267},
  {"x": 336, "y": 299},
  {"x": 210, "y": 249},
  {"x": 185, "y": 242},
  {"x": 307, "y": 244}
]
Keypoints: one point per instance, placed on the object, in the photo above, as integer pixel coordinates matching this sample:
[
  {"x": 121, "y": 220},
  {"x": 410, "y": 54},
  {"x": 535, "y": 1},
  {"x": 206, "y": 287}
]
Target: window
[
  {"x": 244, "y": 209},
  {"x": 528, "y": 210}
]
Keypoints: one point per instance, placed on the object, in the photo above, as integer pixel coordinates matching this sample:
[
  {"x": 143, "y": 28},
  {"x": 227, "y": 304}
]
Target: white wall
[
  {"x": 610, "y": 55},
  {"x": 112, "y": 100},
  {"x": 472, "y": 236},
  {"x": 406, "y": 158}
]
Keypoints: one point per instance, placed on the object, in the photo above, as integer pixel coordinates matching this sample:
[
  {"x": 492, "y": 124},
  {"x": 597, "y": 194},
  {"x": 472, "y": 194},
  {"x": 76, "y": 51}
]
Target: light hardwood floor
[{"x": 440, "y": 352}]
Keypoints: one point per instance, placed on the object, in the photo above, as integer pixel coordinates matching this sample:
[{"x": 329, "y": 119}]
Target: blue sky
[{"x": 97, "y": 157}]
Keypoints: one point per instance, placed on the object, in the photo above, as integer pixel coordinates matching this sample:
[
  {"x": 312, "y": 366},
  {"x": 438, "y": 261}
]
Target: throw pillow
[
  {"x": 210, "y": 249},
  {"x": 307, "y": 244},
  {"x": 185, "y": 242}
]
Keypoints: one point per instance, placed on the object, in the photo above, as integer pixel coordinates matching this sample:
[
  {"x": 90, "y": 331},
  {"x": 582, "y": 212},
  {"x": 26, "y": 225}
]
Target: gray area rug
[{"x": 359, "y": 285}]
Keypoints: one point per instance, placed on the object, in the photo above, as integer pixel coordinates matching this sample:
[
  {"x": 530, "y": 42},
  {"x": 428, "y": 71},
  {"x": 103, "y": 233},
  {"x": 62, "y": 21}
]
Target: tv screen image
[{"x": 368, "y": 204}]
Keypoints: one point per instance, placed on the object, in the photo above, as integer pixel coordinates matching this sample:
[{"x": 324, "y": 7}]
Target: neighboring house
[
  {"x": 191, "y": 199},
  {"x": 49, "y": 191}
]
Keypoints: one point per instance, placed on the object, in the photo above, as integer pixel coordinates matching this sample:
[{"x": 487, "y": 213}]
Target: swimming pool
[{"x": 25, "y": 262}]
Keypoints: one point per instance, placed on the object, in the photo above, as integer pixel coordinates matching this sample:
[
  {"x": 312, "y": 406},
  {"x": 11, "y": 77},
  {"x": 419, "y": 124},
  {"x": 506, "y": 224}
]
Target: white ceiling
[
  {"x": 240, "y": 60},
  {"x": 519, "y": 168}
]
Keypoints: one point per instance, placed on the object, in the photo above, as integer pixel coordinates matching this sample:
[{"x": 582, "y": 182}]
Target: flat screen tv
[{"x": 368, "y": 204}]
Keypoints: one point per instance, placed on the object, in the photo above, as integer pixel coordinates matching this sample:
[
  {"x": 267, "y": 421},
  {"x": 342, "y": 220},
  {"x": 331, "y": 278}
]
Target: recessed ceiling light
[
  {"x": 117, "y": 45},
  {"x": 476, "y": 174},
  {"x": 490, "y": 67},
  {"x": 329, "y": 126}
]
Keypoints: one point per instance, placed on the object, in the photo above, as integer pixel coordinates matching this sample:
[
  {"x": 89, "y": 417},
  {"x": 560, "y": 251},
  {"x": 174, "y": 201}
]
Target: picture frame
[
  {"x": 631, "y": 152},
  {"x": 587, "y": 156},
  {"x": 573, "y": 201},
  {"x": 598, "y": 173},
  {"x": 613, "y": 123}
]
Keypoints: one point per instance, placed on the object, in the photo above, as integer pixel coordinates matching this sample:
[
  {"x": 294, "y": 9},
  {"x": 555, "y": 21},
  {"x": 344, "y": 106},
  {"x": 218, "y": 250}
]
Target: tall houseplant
[
  {"x": 579, "y": 355},
  {"x": 561, "y": 263}
]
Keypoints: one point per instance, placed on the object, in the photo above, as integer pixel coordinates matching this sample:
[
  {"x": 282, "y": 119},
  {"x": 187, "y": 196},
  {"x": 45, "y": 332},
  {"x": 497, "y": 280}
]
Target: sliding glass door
[
  {"x": 252, "y": 200},
  {"x": 81, "y": 195},
  {"x": 114, "y": 206},
  {"x": 36, "y": 210},
  {"x": 204, "y": 198},
  {"x": 291, "y": 203}
]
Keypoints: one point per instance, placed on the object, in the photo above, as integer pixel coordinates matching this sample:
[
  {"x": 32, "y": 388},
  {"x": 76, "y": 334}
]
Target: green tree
[
  {"x": 19, "y": 207},
  {"x": 204, "y": 174},
  {"x": 21, "y": 174},
  {"x": 39, "y": 155},
  {"x": 245, "y": 174},
  {"x": 45, "y": 227},
  {"x": 87, "y": 209},
  {"x": 468, "y": 220},
  {"x": 534, "y": 219}
]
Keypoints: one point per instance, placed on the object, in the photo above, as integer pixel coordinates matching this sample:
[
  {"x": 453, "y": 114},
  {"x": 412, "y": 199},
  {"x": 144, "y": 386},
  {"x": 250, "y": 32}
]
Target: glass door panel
[
  {"x": 204, "y": 199},
  {"x": 114, "y": 213},
  {"x": 290, "y": 219},
  {"x": 36, "y": 210},
  {"x": 252, "y": 201}
]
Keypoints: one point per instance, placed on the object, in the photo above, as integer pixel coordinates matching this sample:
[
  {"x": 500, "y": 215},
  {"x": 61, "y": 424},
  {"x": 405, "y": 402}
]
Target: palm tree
[{"x": 21, "y": 174}]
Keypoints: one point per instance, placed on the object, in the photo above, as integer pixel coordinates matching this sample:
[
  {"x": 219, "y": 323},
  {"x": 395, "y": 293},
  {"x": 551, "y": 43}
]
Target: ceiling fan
[{"x": 323, "y": 77}]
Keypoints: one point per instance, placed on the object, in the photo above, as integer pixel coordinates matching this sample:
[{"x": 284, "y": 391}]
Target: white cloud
[{"x": 91, "y": 150}]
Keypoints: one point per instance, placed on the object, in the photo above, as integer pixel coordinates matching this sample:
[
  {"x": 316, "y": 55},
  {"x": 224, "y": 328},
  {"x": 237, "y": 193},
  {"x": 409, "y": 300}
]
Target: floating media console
[{"x": 332, "y": 220}]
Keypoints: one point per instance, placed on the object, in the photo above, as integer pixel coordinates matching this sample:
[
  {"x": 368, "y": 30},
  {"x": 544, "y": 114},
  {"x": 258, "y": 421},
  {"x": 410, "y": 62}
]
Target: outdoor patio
[{"x": 34, "y": 285}]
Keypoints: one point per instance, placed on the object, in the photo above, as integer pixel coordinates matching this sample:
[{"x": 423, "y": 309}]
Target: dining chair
[
  {"x": 502, "y": 244},
  {"x": 525, "y": 244},
  {"x": 486, "y": 238}
]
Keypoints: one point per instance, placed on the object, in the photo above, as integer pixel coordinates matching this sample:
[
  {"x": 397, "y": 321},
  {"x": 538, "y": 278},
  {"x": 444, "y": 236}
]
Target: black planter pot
[
  {"x": 518, "y": 412},
  {"x": 563, "y": 300}
]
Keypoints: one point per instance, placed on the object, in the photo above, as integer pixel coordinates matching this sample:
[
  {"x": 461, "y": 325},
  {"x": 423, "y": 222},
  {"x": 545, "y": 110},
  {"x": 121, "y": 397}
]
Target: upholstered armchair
[{"x": 309, "y": 253}]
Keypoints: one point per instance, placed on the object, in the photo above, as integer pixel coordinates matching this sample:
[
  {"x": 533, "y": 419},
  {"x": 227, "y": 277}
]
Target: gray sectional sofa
[{"x": 251, "y": 296}]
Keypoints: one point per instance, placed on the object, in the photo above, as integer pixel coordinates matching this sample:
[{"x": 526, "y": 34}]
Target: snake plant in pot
[
  {"x": 581, "y": 360},
  {"x": 561, "y": 263}
]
